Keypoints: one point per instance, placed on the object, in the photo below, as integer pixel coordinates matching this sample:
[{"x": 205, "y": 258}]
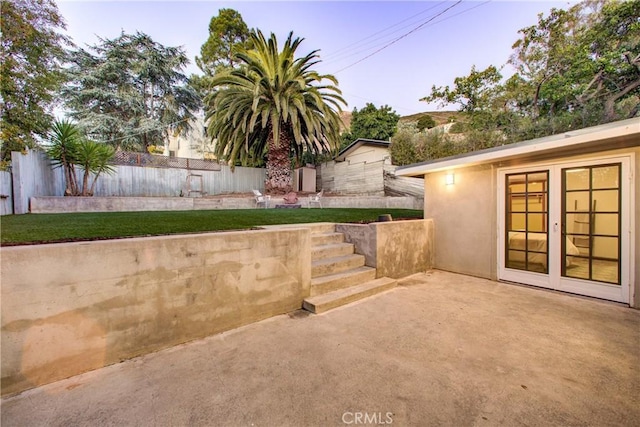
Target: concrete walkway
[{"x": 442, "y": 349}]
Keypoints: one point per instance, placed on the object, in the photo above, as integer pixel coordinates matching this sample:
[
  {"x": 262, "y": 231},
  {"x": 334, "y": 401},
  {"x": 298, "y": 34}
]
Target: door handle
[{"x": 555, "y": 227}]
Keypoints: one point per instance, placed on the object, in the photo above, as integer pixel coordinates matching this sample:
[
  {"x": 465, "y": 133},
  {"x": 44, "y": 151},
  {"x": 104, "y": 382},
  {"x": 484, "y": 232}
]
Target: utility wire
[
  {"x": 346, "y": 51},
  {"x": 400, "y": 38},
  {"x": 431, "y": 19},
  {"x": 434, "y": 23},
  {"x": 461, "y": 12}
]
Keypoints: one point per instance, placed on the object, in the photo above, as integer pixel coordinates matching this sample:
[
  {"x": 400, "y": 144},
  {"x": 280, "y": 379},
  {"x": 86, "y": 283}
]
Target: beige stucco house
[
  {"x": 558, "y": 212},
  {"x": 364, "y": 151},
  {"x": 194, "y": 144}
]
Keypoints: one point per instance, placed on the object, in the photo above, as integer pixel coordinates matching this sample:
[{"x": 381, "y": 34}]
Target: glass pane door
[
  {"x": 591, "y": 223},
  {"x": 527, "y": 221}
]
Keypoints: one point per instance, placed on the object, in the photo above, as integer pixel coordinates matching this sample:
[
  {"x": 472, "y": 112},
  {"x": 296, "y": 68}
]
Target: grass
[{"x": 50, "y": 228}]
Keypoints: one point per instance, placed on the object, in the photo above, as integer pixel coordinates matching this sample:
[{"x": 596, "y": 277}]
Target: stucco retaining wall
[
  {"x": 73, "y": 307},
  {"x": 124, "y": 204},
  {"x": 396, "y": 249}
]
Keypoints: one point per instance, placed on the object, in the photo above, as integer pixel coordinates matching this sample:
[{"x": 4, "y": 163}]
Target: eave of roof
[
  {"x": 622, "y": 133},
  {"x": 357, "y": 143}
]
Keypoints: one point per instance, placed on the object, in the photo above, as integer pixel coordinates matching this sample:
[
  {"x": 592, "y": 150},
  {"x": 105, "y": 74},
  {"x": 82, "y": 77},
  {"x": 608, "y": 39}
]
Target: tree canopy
[
  {"x": 130, "y": 91},
  {"x": 371, "y": 122},
  {"x": 228, "y": 33},
  {"x": 271, "y": 102},
  {"x": 31, "y": 53},
  {"x": 575, "y": 68}
]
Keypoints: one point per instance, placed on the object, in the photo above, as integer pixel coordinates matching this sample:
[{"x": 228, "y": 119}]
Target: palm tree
[
  {"x": 65, "y": 137},
  {"x": 68, "y": 148},
  {"x": 94, "y": 158},
  {"x": 271, "y": 101}
]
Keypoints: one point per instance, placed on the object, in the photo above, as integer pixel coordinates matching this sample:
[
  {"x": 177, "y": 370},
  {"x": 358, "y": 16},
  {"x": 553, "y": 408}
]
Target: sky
[{"x": 382, "y": 52}]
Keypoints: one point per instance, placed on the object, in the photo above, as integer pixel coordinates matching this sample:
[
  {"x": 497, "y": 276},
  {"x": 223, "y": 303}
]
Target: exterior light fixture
[{"x": 450, "y": 178}]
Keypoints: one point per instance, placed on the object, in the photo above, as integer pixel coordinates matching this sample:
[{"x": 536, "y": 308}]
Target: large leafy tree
[
  {"x": 227, "y": 34},
  {"x": 574, "y": 68},
  {"x": 131, "y": 91},
  {"x": 31, "y": 53},
  {"x": 371, "y": 122},
  {"x": 271, "y": 102}
]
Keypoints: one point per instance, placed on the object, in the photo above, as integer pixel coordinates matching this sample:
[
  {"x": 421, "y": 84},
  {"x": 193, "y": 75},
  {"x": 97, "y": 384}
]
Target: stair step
[
  {"x": 322, "y": 227},
  {"x": 331, "y": 250},
  {"x": 318, "y": 239},
  {"x": 314, "y": 227},
  {"x": 322, "y": 303},
  {"x": 344, "y": 279},
  {"x": 333, "y": 265}
]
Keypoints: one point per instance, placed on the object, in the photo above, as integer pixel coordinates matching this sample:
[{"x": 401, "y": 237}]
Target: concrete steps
[
  {"x": 325, "y": 266},
  {"x": 326, "y": 238},
  {"x": 331, "y": 250},
  {"x": 338, "y": 276},
  {"x": 331, "y": 282},
  {"x": 322, "y": 303}
]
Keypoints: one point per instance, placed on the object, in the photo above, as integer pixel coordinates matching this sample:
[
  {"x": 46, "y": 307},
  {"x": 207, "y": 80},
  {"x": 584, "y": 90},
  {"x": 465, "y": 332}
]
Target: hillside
[{"x": 441, "y": 117}]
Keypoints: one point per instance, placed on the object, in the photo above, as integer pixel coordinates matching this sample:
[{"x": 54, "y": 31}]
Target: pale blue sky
[{"x": 471, "y": 33}]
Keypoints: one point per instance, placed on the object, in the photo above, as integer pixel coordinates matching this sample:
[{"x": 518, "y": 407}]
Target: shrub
[
  {"x": 457, "y": 127},
  {"x": 426, "y": 122}
]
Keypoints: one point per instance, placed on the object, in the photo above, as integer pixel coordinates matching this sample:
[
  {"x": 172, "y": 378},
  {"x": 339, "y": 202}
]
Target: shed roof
[
  {"x": 358, "y": 143},
  {"x": 620, "y": 134}
]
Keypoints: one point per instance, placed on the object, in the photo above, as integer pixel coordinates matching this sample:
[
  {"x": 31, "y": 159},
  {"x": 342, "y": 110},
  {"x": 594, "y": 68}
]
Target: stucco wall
[
  {"x": 70, "y": 308},
  {"x": 396, "y": 249},
  {"x": 464, "y": 216},
  {"x": 636, "y": 293},
  {"x": 368, "y": 153}
]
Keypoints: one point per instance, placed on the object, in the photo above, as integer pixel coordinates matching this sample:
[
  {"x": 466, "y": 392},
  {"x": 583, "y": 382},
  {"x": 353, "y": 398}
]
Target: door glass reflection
[
  {"x": 527, "y": 221},
  {"x": 591, "y": 223}
]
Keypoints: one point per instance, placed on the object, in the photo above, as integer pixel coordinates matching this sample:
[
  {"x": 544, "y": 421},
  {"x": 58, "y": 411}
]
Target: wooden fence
[
  {"x": 127, "y": 158},
  {"x": 352, "y": 178},
  {"x": 371, "y": 179},
  {"x": 34, "y": 175},
  {"x": 6, "y": 199}
]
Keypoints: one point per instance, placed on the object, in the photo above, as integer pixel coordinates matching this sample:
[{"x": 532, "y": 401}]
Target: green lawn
[{"x": 44, "y": 228}]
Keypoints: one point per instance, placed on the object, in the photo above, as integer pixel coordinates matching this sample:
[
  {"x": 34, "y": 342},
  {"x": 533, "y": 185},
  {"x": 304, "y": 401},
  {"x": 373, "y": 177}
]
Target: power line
[
  {"x": 434, "y": 23},
  {"x": 347, "y": 50},
  {"x": 400, "y": 38}
]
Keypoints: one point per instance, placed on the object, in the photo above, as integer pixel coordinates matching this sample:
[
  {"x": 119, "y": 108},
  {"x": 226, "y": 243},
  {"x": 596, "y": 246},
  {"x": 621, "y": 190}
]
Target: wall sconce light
[{"x": 450, "y": 178}]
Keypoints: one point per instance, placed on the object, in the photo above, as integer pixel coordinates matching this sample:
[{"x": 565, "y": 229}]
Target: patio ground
[{"x": 442, "y": 349}]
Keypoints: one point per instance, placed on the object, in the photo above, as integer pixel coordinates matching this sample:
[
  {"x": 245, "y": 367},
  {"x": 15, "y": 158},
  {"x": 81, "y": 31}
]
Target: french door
[{"x": 565, "y": 226}]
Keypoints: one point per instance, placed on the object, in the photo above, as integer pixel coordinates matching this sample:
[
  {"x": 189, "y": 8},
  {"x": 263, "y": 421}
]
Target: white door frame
[{"x": 553, "y": 279}]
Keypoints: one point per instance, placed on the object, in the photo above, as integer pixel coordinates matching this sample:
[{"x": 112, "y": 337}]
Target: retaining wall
[
  {"x": 396, "y": 249},
  {"x": 122, "y": 204},
  {"x": 35, "y": 176},
  {"x": 73, "y": 307}
]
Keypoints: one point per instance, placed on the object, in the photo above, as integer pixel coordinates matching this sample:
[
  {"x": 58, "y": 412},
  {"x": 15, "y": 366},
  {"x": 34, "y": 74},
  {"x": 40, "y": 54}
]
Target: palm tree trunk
[
  {"x": 279, "y": 165},
  {"x": 85, "y": 182}
]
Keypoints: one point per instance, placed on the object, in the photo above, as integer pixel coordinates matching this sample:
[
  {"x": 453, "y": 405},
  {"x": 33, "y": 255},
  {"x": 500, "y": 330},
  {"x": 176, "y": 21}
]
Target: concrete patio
[{"x": 441, "y": 349}]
